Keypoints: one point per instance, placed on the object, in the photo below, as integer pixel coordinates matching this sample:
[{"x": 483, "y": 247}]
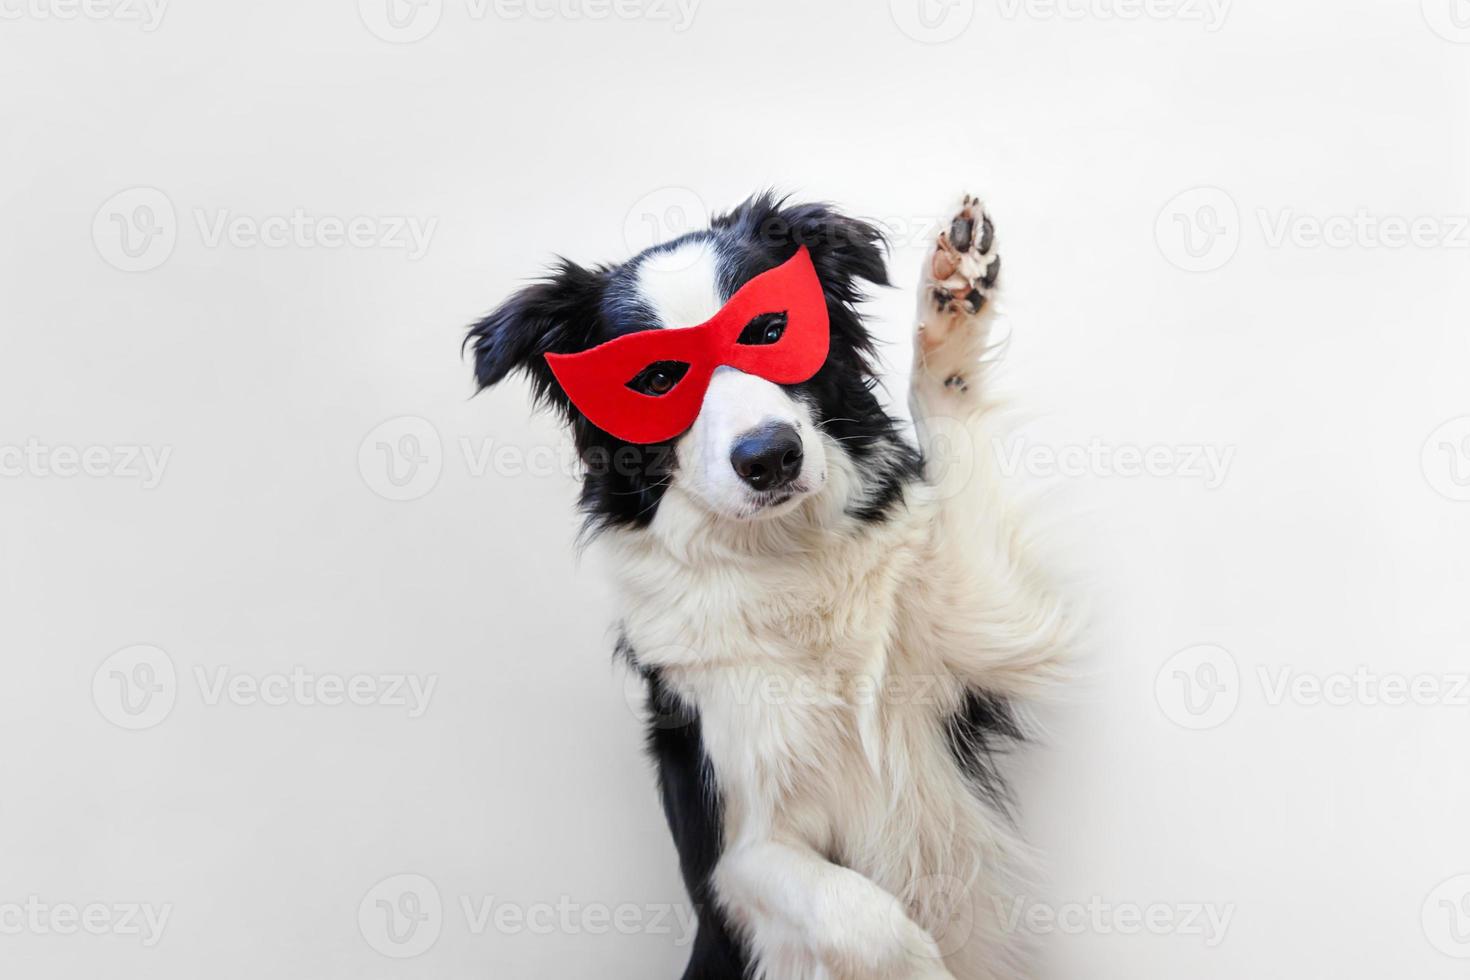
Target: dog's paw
[
  {"x": 917, "y": 956},
  {"x": 878, "y": 941},
  {"x": 960, "y": 279}
]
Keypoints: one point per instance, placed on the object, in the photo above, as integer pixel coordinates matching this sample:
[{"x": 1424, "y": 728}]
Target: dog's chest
[{"x": 821, "y": 719}]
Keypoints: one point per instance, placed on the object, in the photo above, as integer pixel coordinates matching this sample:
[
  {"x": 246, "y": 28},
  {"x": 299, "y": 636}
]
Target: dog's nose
[{"x": 769, "y": 457}]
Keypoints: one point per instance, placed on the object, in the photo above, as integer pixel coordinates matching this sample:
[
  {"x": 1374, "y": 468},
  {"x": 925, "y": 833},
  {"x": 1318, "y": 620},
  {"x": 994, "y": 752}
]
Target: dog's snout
[{"x": 769, "y": 457}]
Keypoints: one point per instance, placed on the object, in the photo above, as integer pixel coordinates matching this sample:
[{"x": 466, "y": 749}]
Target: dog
[{"x": 838, "y": 625}]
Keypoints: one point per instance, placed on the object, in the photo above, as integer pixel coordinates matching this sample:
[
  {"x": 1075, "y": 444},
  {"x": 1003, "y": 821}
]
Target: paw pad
[
  {"x": 961, "y": 277},
  {"x": 965, "y": 265}
]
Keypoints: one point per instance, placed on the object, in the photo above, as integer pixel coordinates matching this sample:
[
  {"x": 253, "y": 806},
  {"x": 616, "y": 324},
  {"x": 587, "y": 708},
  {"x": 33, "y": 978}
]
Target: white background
[{"x": 1333, "y": 542}]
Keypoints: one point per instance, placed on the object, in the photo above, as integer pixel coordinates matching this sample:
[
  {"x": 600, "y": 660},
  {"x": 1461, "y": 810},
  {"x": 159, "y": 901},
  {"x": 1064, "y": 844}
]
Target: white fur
[
  {"x": 822, "y": 655},
  {"x": 682, "y": 287},
  {"x": 738, "y": 403}
]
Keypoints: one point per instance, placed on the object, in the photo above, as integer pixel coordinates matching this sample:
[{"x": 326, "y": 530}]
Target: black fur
[
  {"x": 983, "y": 728},
  {"x": 692, "y": 806},
  {"x": 576, "y": 308},
  {"x": 695, "y": 814}
]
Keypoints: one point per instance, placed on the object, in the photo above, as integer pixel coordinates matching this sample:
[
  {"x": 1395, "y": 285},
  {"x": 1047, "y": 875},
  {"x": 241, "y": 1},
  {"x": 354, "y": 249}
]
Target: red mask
[{"x": 648, "y": 386}]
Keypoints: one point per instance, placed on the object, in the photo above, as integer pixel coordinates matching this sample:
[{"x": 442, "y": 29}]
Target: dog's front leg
[
  {"x": 994, "y": 621},
  {"x": 949, "y": 394},
  {"x": 810, "y": 919}
]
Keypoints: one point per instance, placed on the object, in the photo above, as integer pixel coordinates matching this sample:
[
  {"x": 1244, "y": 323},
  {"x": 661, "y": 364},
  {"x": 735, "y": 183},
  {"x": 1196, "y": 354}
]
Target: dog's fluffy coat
[{"x": 828, "y": 677}]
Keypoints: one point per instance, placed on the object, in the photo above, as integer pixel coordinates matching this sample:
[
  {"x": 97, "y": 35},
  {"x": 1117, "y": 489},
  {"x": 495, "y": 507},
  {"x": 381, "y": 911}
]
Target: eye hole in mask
[
  {"x": 659, "y": 378},
  {"x": 763, "y": 330}
]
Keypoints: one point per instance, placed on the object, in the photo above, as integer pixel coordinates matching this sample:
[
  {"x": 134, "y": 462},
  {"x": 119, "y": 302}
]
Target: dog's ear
[
  {"x": 554, "y": 315},
  {"x": 847, "y": 252}
]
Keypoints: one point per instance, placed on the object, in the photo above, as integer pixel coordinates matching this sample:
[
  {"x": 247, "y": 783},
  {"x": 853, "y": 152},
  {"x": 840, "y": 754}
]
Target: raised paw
[{"x": 960, "y": 278}]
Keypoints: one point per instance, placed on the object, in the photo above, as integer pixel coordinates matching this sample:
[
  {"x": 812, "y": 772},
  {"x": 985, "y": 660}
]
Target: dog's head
[{"x": 757, "y": 449}]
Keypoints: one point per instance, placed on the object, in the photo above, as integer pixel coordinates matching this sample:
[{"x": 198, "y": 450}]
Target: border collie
[{"x": 837, "y": 626}]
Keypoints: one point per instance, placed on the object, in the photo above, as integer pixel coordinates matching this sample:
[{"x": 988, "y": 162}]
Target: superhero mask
[{"x": 648, "y": 386}]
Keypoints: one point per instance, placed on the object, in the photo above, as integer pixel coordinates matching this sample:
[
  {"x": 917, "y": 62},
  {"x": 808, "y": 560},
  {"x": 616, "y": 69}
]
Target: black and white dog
[{"x": 836, "y": 626}]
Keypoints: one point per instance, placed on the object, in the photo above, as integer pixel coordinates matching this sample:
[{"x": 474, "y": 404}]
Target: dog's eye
[
  {"x": 659, "y": 378},
  {"x": 764, "y": 330}
]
